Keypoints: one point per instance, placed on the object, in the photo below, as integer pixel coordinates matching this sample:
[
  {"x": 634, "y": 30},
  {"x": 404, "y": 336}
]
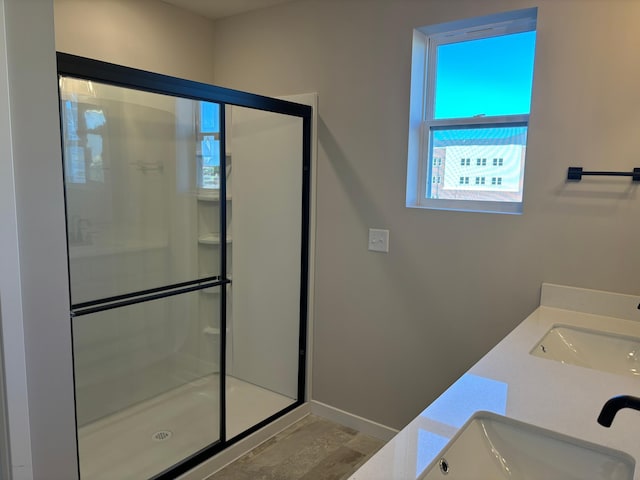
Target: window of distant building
[{"x": 471, "y": 86}]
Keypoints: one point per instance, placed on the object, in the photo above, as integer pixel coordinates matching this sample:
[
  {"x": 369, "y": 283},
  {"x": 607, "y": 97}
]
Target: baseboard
[
  {"x": 368, "y": 427},
  {"x": 244, "y": 446}
]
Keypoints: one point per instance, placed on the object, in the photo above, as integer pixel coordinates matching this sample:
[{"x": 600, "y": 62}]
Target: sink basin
[
  {"x": 592, "y": 349},
  {"x": 490, "y": 446}
]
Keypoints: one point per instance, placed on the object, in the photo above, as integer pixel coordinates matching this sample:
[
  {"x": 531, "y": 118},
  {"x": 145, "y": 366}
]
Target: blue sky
[
  {"x": 491, "y": 76},
  {"x": 210, "y": 117},
  {"x": 210, "y": 122}
]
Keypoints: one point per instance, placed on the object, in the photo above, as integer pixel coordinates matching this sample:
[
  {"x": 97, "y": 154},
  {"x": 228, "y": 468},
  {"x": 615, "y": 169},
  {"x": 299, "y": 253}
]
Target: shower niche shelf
[
  {"x": 212, "y": 331},
  {"x": 212, "y": 239},
  {"x": 213, "y": 196}
]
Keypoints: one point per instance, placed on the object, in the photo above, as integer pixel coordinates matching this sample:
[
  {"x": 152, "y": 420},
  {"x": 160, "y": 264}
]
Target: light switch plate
[{"x": 378, "y": 240}]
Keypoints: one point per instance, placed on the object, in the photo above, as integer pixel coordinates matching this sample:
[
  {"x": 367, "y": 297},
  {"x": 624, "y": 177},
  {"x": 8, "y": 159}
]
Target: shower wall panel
[{"x": 267, "y": 226}]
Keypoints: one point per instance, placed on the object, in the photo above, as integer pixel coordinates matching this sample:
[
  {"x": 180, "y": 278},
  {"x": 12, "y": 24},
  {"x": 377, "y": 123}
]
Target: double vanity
[{"x": 529, "y": 409}]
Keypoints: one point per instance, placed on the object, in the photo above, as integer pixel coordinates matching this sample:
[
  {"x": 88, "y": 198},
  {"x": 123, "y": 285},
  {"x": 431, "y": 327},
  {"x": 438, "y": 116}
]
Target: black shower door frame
[{"x": 117, "y": 75}]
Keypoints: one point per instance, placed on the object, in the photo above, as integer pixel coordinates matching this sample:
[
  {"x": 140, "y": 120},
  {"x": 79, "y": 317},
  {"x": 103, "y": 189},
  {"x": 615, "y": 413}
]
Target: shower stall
[{"x": 187, "y": 209}]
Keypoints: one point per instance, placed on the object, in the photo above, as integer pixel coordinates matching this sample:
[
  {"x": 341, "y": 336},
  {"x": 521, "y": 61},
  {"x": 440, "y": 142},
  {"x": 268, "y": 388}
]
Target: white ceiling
[{"x": 222, "y": 8}]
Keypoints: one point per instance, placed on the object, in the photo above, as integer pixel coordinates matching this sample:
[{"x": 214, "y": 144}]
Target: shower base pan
[{"x": 146, "y": 439}]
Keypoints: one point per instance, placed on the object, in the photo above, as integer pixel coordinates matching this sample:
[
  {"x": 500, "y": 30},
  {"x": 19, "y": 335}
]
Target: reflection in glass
[
  {"x": 209, "y": 145},
  {"x": 132, "y": 175}
]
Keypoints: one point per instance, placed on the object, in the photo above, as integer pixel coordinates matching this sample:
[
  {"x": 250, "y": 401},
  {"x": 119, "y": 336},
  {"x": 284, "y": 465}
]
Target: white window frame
[{"x": 426, "y": 41}]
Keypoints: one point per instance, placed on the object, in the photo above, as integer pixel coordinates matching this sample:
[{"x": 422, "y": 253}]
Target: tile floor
[{"x": 311, "y": 449}]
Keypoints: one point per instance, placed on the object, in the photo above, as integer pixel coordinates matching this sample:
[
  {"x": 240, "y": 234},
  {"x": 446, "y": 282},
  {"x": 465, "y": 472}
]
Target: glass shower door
[
  {"x": 187, "y": 212},
  {"x": 146, "y": 275},
  {"x": 267, "y": 230}
]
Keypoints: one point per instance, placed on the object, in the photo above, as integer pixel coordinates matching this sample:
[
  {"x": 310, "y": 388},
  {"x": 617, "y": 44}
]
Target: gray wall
[
  {"x": 146, "y": 34},
  {"x": 392, "y": 331}
]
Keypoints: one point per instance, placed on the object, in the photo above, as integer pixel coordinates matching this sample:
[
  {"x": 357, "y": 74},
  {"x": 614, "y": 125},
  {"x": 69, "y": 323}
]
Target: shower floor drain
[{"x": 162, "y": 435}]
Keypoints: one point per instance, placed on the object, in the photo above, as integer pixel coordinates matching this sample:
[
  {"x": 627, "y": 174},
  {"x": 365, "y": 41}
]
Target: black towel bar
[{"x": 576, "y": 174}]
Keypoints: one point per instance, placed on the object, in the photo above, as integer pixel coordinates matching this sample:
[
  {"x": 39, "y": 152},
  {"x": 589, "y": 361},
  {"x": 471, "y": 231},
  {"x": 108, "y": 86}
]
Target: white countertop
[{"x": 511, "y": 382}]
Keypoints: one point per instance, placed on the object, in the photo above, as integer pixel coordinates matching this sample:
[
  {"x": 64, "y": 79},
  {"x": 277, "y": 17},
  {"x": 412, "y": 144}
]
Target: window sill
[{"x": 471, "y": 207}]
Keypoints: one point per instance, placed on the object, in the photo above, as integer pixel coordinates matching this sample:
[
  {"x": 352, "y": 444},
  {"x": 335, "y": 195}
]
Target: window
[
  {"x": 208, "y": 119},
  {"x": 470, "y": 98},
  {"x": 84, "y": 127}
]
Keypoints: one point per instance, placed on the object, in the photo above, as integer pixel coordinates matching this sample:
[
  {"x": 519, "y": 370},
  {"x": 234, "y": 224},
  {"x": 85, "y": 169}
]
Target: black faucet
[{"x": 613, "y": 405}]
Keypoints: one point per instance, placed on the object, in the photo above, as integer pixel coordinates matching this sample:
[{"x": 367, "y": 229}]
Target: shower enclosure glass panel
[
  {"x": 266, "y": 152},
  {"x": 131, "y": 161},
  {"x": 188, "y": 232},
  {"x": 147, "y": 388},
  {"x": 145, "y": 275}
]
